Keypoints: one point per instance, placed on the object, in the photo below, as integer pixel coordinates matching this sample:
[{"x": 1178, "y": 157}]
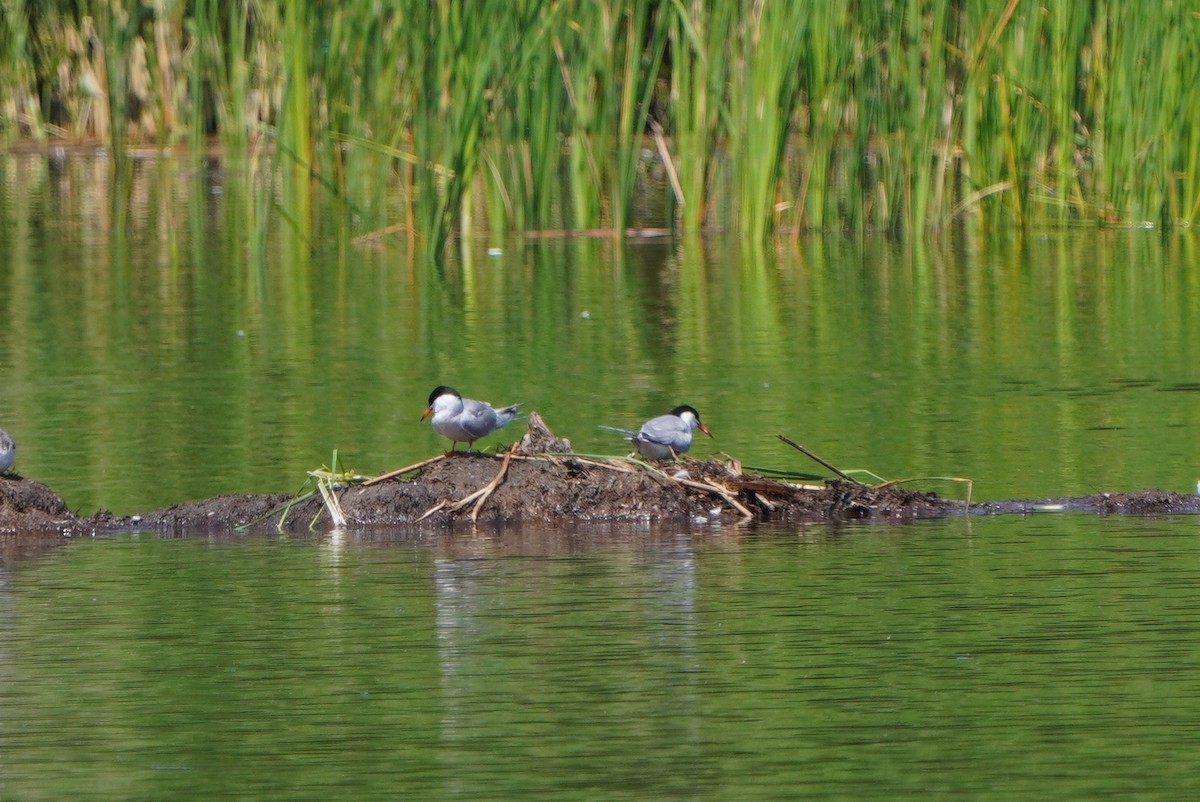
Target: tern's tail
[
  {"x": 625, "y": 432},
  {"x": 506, "y": 414}
]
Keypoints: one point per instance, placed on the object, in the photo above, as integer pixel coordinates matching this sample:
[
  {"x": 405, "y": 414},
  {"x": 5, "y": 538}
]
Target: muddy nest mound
[
  {"x": 541, "y": 480},
  {"x": 551, "y": 489}
]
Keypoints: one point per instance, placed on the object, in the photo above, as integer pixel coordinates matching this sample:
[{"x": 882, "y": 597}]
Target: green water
[
  {"x": 180, "y": 340},
  {"x": 191, "y": 351},
  {"x": 1043, "y": 657}
]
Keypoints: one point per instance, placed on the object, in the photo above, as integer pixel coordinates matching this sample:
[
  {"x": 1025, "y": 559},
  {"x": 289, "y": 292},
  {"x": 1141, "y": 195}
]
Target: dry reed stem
[
  {"x": 818, "y": 460},
  {"x": 329, "y": 496},
  {"x": 432, "y": 510},
  {"x": 491, "y": 486},
  {"x": 383, "y": 477},
  {"x": 480, "y": 496}
]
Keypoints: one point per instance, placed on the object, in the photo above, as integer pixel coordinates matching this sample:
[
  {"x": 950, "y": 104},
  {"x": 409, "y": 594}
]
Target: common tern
[
  {"x": 464, "y": 420},
  {"x": 8, "y": 451},
  {"x": 667, "y": 436}
]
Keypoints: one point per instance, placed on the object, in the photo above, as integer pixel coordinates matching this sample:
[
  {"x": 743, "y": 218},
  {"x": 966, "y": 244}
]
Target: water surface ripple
[{"x": 990, "y": 658}]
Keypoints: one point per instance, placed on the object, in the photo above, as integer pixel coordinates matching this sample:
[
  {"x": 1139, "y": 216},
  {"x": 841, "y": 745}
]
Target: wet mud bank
[
  {"x": 488, "y": 489},
  {"x": 1139, "y": 502},
  {"x": 541, "y": 481},
  {"x": 491, "y": 489}
]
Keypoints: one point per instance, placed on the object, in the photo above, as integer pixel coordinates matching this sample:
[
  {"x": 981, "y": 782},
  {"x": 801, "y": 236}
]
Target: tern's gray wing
[
  {"x": 478, "y": 419},
  {"x": 668, "y": 430}
]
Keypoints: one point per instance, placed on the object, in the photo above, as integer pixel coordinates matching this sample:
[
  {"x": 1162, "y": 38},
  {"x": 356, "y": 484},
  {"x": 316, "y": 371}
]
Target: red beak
[
  {"x": 425, "y": 414},
  {"x": 704, "y": 429}
]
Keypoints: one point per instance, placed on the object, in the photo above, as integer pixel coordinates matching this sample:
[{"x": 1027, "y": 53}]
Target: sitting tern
[{"x": 667, "y": 436}]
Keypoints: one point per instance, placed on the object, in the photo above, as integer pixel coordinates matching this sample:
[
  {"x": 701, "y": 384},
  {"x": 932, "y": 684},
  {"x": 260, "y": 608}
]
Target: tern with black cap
[
  {"x": 464, "y": 420},
  {"x": 667, "y": 436}
]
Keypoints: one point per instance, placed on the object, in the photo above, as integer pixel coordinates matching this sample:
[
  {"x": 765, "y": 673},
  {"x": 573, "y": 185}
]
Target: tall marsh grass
[{"x": 757, "y": 116}]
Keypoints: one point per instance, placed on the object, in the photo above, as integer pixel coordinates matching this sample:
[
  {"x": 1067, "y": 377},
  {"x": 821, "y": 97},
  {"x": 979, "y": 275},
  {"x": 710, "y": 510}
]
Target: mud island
[{"x": 540, "y": 480}]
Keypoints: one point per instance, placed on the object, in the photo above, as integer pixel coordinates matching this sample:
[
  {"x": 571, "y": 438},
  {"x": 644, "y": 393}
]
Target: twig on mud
[
  {"x": 559, "y": 459},
  {"x": 480, "y": 496},
  {"x": 662, "y": 477},
  {"x": 720, "y": 491},
  {"x": 818, "y": 460},
  {"x": 791, "y": 476},
  {"x": 491, "y": 486},
  {"x": 383, "y": 477},
  {"x": 432, "y": 510},
  {"x": 614, "y": 463},
  {"x": 657, "y": 474},
  {"x": 766, "y": 503},
  {"x": 626, "y": 465},
  {"x": 735, "y": 464}
]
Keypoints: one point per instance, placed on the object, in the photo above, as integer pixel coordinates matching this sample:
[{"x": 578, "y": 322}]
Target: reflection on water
[
  {"x": 1000, "y": 657},
  {"x": 524, "y": 656}
]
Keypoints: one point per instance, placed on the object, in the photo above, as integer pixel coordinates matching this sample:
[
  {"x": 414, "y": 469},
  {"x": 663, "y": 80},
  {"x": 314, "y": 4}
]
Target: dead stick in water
[{"x": 817, "y": 459}]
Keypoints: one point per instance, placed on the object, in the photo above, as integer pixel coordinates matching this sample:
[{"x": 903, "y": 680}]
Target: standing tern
[
  {"x": 464, "y": 420},
  {"x": 667, "y": 436}
]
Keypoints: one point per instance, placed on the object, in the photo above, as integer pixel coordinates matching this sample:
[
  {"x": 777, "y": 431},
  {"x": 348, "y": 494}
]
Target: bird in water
[
  {"x": 667, "y": 436},
  {"x": 464, "y": 420},
  {"x": 8, "y": 451}
]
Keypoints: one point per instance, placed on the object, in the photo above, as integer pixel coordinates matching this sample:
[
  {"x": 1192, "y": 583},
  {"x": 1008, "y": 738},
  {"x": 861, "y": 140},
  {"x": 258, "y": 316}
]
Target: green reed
[
  {"x": 459, "y": 59},
  {"x": 638, "y": 79},
  {"x": 699, "y": 72},
  {"x": 525, "y": 156},
  {"x": 769, "y": 44},
  {"x": 21, "y": 115},
  {"x": 762, "y": 114}
]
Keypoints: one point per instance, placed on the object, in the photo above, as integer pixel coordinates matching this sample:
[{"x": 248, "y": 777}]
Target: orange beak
[
  {"x": 704, "y": 429},
  {"x": 426, "y": 413}
]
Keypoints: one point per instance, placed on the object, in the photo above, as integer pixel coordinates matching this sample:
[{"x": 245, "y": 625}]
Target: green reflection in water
[
  {"x": 201, "y": 353},
  {"x": 1000, "y": 657}
]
